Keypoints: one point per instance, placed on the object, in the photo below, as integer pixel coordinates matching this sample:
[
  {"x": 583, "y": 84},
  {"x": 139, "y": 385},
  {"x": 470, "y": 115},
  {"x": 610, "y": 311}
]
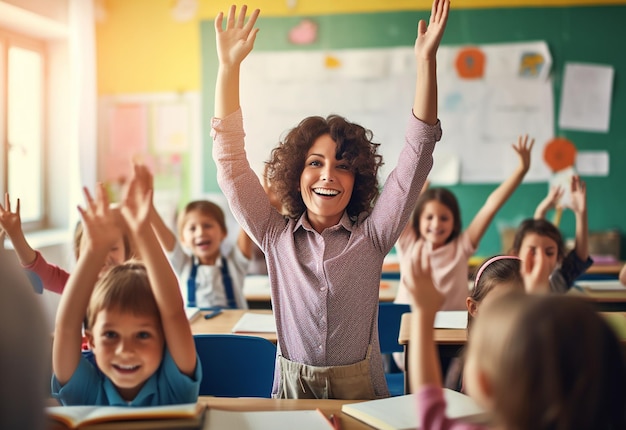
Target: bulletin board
[{"x": 562, "y": 29}]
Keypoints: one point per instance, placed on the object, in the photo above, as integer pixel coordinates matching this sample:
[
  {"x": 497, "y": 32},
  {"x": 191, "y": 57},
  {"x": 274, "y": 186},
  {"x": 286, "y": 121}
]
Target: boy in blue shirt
[{"x": 142, "y": 349}]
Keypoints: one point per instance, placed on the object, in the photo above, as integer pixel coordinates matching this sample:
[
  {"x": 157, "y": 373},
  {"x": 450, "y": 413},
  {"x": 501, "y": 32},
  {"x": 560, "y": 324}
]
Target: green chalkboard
[{"x": 573, "y": 34}]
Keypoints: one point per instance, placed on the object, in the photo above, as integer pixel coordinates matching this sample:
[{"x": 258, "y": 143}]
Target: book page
[
  {"x": 76, "y": 415},
  {"x": 263, "y": 420}
]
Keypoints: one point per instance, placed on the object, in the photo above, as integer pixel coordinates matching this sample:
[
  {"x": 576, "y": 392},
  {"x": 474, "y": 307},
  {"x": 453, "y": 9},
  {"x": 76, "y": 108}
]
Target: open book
[
  {"x": 192, "y": 313},
  {"x": 261, "y": 420},
  {"x": 400, "y": 412},
  {"x": 184, "y": 416}
]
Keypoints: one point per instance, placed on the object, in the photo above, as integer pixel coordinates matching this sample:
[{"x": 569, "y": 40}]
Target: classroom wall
[{"x": 160, "y": 54}]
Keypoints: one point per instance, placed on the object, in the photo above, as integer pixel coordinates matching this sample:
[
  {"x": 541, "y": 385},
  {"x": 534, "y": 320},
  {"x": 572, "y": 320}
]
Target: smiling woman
[{"x": 325, "y": 257}]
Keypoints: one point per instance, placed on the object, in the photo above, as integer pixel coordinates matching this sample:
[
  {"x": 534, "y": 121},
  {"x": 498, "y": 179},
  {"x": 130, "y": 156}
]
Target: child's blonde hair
[
  {"x": 553, "y": 363},
  {"x": 205, "y": 207},
  {"x": 125, "y": 288}
]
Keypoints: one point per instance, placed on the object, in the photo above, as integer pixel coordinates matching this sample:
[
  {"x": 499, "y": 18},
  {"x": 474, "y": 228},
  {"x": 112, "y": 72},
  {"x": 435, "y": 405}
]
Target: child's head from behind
[
  {"x": 546, "y": 362},
  {"x": 534, "y": 235},
  {"x": 202, "y": 229},
  {"x": 436, "y": 217},
  {"x": 124, "y": 328},
  {"x": 354, "y": 161},
  {"x": 497, "y": 275},
  {"x": 118, "y": 253}
]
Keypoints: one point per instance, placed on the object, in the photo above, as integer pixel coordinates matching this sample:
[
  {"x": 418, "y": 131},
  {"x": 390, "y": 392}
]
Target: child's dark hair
[
  {"x": 205, "y": 207},
  {"x": 125, "y": 287},
  {"x": 354, "y": 145},
  {"x": 541, "y": 227},
  {"x": 553, "y": 363},
  {"x": 494, "y": 271},
  {"x": 445, "y": 197}
]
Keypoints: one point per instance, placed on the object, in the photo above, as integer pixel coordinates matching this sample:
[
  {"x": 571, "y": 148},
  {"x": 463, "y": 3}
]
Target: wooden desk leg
[{"x": 406, "y": 370}]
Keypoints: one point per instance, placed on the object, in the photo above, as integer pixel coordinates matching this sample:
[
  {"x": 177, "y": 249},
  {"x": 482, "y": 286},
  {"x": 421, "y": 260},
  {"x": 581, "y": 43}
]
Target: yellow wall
[{"x": 140, "y": 48}]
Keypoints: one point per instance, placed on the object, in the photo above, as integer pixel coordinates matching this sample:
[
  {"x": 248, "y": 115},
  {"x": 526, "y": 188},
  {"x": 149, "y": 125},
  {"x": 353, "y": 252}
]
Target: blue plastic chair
[
  {"x": 389, "y": 317},
  {"x": 235, "y": 365}
]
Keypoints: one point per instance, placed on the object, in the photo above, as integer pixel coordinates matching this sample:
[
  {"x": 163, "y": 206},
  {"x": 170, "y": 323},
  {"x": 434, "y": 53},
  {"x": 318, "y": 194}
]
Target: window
[{"x": 22, "y": 73}]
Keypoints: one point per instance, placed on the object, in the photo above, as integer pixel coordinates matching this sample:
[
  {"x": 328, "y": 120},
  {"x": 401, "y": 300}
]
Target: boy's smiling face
[
  {"x": 128, "y": 348},
  {"x": 203, "y": 235}
]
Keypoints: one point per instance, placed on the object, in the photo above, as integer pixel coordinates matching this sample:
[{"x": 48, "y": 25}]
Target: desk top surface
[
  {"x": 224, "y": 323},
  {"x": 444, "y": 336}
]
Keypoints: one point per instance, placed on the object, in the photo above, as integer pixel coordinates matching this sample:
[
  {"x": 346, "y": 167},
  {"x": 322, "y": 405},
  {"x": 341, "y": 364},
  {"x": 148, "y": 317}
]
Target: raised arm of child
[
  {"x": 425, "y": 302},
  {"x": 535, "y": 271},
  {"x": 622, "y": 275},
  {"x": 11, "y": 223},
  {"x": 579, "y": 207},
  {"x": 136, "y": 209},
  {"x": 99, "y": 222},
  {"x": 550, "y": 201},
  {"x": 500, "y": 195},
  {"x": 233, "y": 45}
]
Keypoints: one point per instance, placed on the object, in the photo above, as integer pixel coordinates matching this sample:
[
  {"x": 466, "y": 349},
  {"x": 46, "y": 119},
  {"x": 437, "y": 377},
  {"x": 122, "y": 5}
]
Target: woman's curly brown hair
[{"x": 354, "y": 145}]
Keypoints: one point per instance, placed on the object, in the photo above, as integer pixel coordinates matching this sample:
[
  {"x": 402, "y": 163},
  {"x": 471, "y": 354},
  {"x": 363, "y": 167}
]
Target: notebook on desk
[
  {"x": 251, "y": 322},
  {"x": 400, "y": 412}
]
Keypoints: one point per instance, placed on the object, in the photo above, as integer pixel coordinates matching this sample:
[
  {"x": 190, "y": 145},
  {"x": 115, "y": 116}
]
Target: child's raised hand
[
  {"x": 416, "y": 276},
  {"x": 535, "y": 271},
  {"x": 236, "y": 41},
  {"x": 578, "y": 202},
  {"x": 523, "y": 148},
  {"x": 428, "y": 38},
  {"x": 137, "y": 201},
  {"x": 100, "y": 223},
  {"x": 10, "y": 221}
]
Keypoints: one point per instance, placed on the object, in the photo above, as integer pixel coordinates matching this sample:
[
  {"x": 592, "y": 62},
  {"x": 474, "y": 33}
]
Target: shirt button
[
  {"x": 319, "y": 347},
  {"x": 323, "y": 289}
]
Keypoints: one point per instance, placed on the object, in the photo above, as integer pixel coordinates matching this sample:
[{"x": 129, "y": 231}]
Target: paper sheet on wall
[
  {"x": 586, "y": 97},
  {"x": 592, "y": 163},
  {"x": 480, "y": 118}
]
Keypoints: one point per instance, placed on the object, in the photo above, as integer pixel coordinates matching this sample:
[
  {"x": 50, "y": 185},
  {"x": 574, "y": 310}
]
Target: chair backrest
[
  {"x": 235, "y": 365},
  {"x": 389, "y": 317}
]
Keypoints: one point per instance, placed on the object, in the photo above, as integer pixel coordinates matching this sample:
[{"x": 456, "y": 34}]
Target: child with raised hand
[
  {"x": 53, "y": 277},
  {"x": 497, "y": 275},
  {"x": 538, "y": 236},
  {"x": 504, "y": 372},
  {"x": 325, "y": 257},
  {"x": 142, "y": 350},
  {"x": 437, "y": 220},
  {"x": 208, "y": 277}
]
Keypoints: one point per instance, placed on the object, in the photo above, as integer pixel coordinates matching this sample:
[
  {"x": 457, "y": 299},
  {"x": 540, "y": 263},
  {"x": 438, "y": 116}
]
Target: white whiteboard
[{"x": 375, "y": 87}]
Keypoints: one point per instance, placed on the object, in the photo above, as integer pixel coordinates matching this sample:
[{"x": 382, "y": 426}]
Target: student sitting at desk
[
  {"x": 142, "y": 350},
  {"x": 539, "y": 362},
  {"x": 208, "y": 277},
  {"x": 540, "y": 236},
  {"x": 437, "y": 220}
]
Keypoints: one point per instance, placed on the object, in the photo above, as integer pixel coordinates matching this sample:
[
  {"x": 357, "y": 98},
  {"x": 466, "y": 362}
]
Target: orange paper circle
[
  {"x": 559, "y": 153},
  {"x": 470, "y": 63}
]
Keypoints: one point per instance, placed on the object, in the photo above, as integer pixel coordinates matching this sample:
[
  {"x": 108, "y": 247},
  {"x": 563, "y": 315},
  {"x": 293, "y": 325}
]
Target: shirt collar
[
  {"x": 143, "y": 398},
  {"x": 344, "y": 222}
]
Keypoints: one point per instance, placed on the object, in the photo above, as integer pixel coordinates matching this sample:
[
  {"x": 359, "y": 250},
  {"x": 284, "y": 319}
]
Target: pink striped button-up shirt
[{"x": 324, "y": 286}]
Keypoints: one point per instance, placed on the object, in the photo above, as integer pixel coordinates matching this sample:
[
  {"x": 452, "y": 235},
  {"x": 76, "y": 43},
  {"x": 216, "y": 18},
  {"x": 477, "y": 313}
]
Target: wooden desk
[
  {"x": 605, "y": 301},
  {"x": 327, "y": 407},
  {"x": 224, "y": 323},
  {"x": 450, "y": 341},
  {"x": 256, "y": 290}
]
